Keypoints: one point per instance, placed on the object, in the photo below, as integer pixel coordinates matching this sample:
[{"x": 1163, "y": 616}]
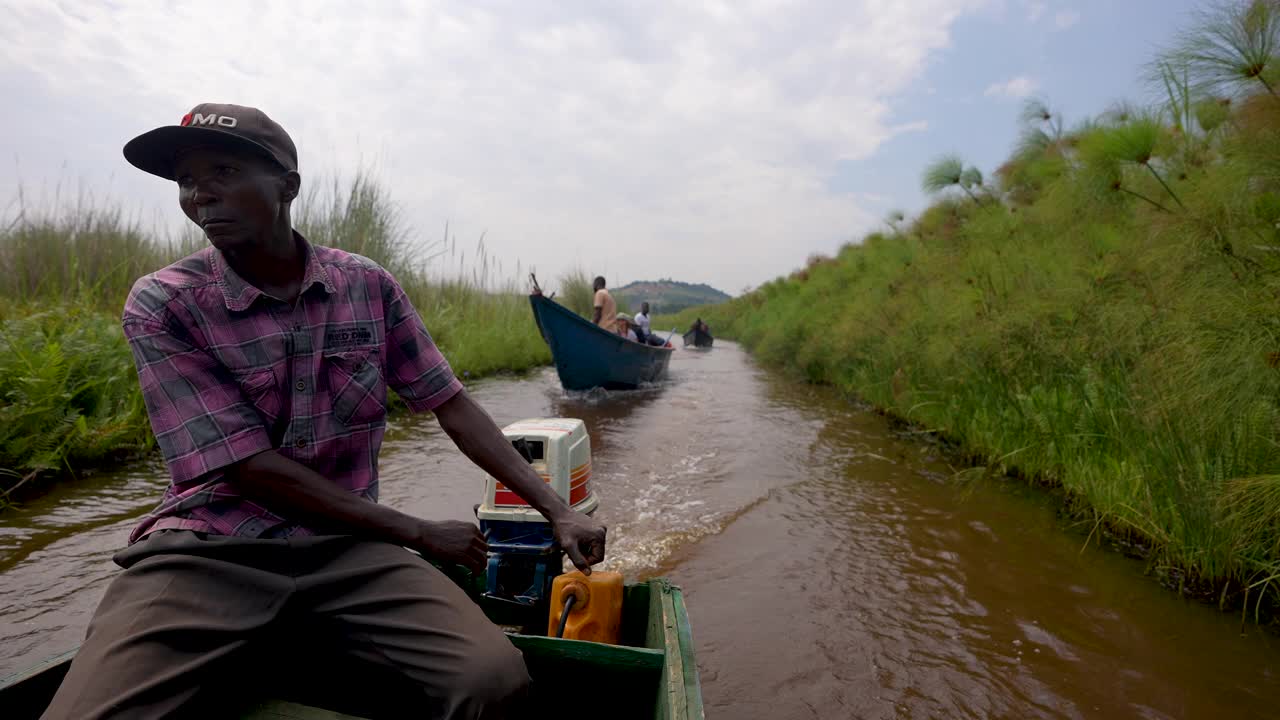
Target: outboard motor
[{"x": 523, "y": 556}]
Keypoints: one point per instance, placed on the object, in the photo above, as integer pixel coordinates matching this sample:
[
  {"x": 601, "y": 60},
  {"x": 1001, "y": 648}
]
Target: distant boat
[
  {"x": 698, "y": 338},
  {"x": 587, "y": 356}
]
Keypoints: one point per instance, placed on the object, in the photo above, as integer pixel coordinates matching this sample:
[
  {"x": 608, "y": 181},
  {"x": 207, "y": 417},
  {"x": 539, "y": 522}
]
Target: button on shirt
[{"x": 228, "y": 371}]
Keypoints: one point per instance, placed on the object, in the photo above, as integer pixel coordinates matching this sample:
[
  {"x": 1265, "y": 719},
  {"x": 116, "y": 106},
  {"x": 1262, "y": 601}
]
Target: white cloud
[
  {"x": 1036, "y": 10},
  {"x": 1066, "y": 19},
  {"x": 647, "y": 140},
  {"x": 1017, "y": 87}
]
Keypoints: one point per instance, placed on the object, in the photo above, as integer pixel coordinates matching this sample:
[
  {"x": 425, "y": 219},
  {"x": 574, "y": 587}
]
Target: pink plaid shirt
[{"x": 228, "y": 371}]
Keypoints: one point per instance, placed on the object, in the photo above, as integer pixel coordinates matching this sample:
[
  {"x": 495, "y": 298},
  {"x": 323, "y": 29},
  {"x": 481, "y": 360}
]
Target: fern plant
[{"x": 68, "y": 392}]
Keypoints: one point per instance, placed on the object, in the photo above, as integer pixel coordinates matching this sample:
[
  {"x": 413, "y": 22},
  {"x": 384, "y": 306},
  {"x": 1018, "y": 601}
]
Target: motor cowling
[{"x": 523, "y": 556}]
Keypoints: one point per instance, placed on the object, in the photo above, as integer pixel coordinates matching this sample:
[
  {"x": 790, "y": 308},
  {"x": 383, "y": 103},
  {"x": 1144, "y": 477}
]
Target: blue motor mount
[{"x": 523, "y": 561}]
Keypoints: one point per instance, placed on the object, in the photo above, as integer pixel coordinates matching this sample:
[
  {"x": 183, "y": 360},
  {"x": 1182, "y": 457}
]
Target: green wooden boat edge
[
  {"x": 44, "y": 666},
  {"x": 616, "y": 656},
  {"x": 692, "y": 682},
  {"x": 281, "y": 710},
  {"x": 681, "y": 695},
  {"x": 677, "y": 702},
  {"x": 655, "y": 635}
]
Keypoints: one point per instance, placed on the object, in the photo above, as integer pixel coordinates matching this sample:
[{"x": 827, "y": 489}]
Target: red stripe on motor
[
  {"x": 579, "y": 489},
  {"x": 506, "y": 497}
]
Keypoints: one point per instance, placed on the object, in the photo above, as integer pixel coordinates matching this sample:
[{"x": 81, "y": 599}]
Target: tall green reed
[
  {"x": 1081, "y": 336},
  {"x": 576, "y": 291},
  {"x": 68, "y": 392}
]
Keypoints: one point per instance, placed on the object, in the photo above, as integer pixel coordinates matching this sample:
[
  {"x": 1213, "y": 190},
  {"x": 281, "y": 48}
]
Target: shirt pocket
[
  {"x": 260, "y": 388},
  {"x": 356, "y": 385}
]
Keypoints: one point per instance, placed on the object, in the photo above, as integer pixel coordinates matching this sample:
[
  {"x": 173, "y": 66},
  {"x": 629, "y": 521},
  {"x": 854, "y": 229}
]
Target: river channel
[{"x": 832, "y": 566}]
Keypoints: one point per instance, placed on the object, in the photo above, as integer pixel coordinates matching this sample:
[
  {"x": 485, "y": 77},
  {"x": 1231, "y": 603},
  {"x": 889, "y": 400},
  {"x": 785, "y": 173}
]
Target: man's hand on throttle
[{"x": 581, "y": 538}]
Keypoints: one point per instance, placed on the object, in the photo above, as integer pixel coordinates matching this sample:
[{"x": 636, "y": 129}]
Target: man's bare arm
[
  {"x": 476, "y": 435},
  {"x": 290, "y": 489}
]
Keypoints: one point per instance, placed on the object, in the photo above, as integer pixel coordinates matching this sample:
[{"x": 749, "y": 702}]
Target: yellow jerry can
[{"x": 596, "y": 612}]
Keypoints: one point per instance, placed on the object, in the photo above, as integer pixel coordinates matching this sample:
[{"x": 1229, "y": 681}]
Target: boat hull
[
  {"x": 587, "y": 356},
  {"x": 697, "y": 338}
]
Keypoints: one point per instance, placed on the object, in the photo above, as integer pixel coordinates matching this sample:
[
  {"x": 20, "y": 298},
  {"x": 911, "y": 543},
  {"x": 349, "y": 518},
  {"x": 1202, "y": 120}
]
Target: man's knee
[{"x": 493, "y": 676}]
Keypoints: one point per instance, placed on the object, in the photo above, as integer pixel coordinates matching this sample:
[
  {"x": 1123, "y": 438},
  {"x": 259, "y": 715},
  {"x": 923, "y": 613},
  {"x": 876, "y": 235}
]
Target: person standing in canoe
[
  {"x": 605, "y": 314},
  {"x": 264, "y": 362}
]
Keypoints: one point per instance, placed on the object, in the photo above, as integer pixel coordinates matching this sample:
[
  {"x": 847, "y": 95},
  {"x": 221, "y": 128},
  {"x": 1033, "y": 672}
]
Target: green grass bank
[
  {"x": 1102, "y": 316},
  {"x": 69, "y": 400}
]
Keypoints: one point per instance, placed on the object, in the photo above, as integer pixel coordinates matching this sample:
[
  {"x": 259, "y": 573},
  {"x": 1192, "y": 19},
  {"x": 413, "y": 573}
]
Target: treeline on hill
[
  {"x": 69, "y": 398},
  {"x": 1102, "y": 316},
  {"x": 667, "y": 296}
]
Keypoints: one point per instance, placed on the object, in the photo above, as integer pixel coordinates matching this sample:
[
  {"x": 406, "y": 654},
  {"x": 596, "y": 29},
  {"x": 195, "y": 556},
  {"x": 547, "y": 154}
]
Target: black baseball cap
[{"x": 213, "y": 124}]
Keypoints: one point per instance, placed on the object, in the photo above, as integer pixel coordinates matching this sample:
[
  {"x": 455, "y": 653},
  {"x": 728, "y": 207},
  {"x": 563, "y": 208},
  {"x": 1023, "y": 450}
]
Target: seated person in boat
[
  {"x": 605, "y": 312},
  {"x": 264, "y": 362},
  {"x": 641, "y": 328},
  {"x": 625, "y": 328},
  {"x": 641, "y": 322}
]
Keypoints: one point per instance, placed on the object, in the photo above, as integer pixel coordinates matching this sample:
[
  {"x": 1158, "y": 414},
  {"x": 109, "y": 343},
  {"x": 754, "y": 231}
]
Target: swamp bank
[
  {"x": 69, "y": 397},
  {"x": 1101, "y": 316}
]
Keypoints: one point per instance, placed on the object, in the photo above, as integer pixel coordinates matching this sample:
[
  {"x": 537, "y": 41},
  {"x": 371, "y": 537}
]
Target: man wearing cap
[{"x": 264, "y": 362}]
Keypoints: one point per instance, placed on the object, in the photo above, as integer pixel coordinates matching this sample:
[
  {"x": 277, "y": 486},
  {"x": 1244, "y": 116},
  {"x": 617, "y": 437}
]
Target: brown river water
[{"x": 832, "y": 566}]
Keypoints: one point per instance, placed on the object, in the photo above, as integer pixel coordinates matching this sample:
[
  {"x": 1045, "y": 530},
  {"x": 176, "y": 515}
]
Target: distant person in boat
[
  {"x": 642, "y": 327},
  {"x": 642, "y": 322},
  {"x": 605, "y": 313},
  {"x": 699, "y": 326},
  {"x": 626, "y": 329},
  {"x": 265, "y": 363}
]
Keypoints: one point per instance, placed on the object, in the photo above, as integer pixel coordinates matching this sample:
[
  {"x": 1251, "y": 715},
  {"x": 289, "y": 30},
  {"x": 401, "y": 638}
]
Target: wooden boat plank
[
  {"x": 677, "y": 707},
  {"x": 692, "y": 683},
  {"x": 653, "y": 636},
  {"x": 615, "y": 657},
  {"x": 540, "y": 653},
  {"x": 281, "y": 710},
  {"x": 47, "y": 665},
  {"x": 635, "y": 614}
]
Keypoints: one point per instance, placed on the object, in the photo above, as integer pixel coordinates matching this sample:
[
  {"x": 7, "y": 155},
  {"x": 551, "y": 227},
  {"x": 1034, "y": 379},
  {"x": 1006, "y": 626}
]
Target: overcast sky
[{"x": 719, "y": 142}]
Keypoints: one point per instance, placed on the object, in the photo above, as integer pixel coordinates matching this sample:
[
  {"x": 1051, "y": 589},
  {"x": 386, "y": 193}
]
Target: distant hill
[{"x": 667, "y": 296}]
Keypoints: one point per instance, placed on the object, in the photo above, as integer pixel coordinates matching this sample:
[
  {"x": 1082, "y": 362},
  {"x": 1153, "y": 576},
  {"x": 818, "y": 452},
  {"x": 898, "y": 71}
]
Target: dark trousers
[{"x": 195, "y": 621}]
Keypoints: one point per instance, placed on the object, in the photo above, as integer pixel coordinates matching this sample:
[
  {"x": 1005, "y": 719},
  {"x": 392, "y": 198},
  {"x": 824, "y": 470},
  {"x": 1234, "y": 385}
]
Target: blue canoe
[{"x": 588, "y": 357}]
